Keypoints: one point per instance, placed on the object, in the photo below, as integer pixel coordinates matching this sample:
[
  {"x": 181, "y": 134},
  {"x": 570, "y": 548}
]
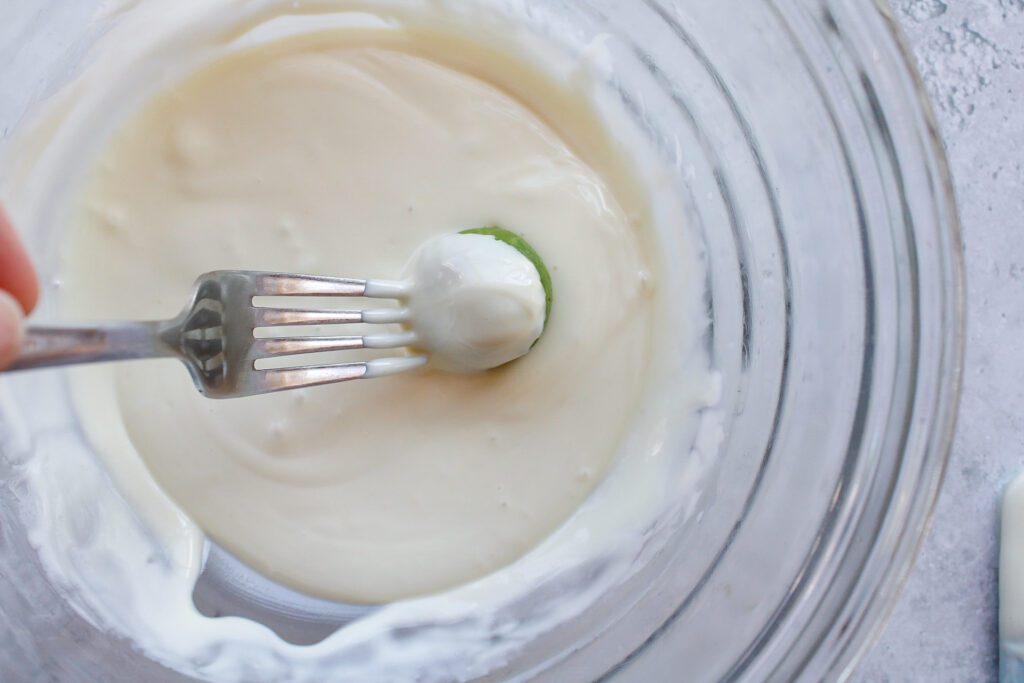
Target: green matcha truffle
[{"x": 523, "y": 247}]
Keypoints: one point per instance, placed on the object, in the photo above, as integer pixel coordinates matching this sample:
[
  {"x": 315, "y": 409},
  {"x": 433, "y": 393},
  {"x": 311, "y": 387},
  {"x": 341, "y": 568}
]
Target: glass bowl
[{"x": 804, "y": 149}]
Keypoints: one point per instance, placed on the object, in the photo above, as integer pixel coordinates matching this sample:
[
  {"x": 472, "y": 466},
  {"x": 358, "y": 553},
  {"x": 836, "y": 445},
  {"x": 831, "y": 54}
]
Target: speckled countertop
[{"x": 971, "y": 53}]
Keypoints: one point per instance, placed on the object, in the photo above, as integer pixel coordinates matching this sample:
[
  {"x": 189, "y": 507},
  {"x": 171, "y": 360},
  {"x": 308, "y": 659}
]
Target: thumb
[{"x": 10, "y": 328}]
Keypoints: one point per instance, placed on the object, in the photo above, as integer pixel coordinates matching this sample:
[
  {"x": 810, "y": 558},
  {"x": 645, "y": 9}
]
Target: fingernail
[{"x": 12, "y": 328}]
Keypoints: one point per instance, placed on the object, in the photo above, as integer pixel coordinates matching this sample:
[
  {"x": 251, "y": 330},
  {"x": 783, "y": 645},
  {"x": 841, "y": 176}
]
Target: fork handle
[{"x": 45, "y": 347}]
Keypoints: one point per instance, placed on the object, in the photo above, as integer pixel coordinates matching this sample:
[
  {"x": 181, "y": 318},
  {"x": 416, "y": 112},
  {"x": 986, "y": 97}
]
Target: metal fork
[{"x": 215, "y": 335}]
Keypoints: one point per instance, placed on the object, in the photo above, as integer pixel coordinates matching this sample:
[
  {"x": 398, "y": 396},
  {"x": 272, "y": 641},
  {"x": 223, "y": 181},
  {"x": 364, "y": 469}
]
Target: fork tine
[
  {"x": 268, "y": 381},
  {"x": 288, "y": 346},
  {"x": 269, "y": 317},
  {"x": 285, "y": 284}
]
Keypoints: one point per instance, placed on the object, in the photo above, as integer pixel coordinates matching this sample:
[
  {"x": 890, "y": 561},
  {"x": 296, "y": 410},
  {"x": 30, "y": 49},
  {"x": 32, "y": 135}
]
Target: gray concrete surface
[{"x": 971, "y": 53}]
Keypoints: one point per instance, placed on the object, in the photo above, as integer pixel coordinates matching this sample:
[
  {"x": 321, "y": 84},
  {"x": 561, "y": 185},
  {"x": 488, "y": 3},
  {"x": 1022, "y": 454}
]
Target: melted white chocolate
[
  {"x": 339, "y": 154},
  {"x": 124, "y": 555}
]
